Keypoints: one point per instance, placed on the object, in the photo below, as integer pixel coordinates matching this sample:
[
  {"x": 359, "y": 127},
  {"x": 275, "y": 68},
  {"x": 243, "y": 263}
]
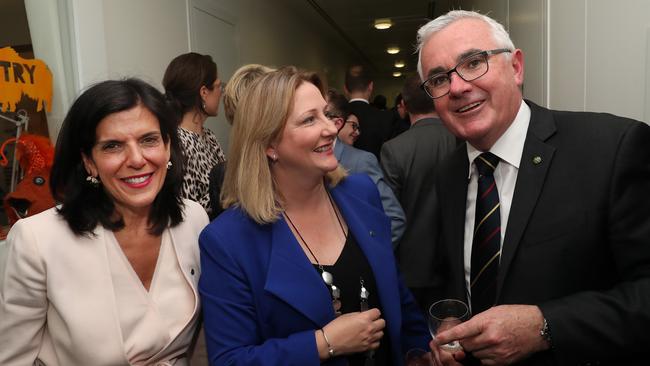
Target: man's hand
[
  {"x": 500, "y": 335},
  {"x": 442, "y": 357}
]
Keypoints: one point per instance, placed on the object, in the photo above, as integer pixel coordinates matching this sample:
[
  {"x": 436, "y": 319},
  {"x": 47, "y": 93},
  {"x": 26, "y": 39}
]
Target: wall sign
[{"x": 20, "y": 76}]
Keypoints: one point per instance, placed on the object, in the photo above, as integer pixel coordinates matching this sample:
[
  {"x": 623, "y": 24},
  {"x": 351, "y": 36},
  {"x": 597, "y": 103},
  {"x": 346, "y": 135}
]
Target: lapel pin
[
  {"x": 372, "y": 233},
  {"x": 537, "y": 160}
]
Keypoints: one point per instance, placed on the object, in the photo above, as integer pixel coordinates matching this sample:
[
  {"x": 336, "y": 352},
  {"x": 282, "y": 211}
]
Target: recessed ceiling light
[
  {"x": 383, "y": 23},
  {"x": 392, "y": 50},
  {"x": 399, "y": 64},
  {"x": 397, "y": 74}
]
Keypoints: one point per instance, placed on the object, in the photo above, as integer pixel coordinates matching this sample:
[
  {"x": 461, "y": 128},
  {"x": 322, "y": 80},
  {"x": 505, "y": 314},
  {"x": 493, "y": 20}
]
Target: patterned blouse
[{"x": 202, "y": 152}]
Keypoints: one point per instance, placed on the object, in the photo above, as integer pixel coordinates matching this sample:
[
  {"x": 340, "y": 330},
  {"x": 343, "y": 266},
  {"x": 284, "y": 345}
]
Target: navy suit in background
[{"x": 376, "y": 126}]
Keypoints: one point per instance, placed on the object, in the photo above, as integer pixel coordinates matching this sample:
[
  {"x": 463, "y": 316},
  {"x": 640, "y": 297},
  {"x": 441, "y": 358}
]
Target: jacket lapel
[
  {"x": 368, "y": 225},
  {"x": 453, "y": 189},
  {"x": 292, "y": 278},
  {"x": 535, "y": 161}
]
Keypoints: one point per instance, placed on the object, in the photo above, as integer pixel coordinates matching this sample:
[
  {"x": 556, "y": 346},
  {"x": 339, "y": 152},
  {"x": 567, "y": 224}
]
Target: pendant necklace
[{"x": 327, "y": 277}]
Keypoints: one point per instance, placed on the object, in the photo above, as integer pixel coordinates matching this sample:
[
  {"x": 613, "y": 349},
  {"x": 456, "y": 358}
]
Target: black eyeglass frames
[{"x": 469, "y": 68}]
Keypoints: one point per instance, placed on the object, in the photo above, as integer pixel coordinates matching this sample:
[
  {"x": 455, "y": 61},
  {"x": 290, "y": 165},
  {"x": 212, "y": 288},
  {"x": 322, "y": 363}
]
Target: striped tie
[{"x": 486, "y": 245}]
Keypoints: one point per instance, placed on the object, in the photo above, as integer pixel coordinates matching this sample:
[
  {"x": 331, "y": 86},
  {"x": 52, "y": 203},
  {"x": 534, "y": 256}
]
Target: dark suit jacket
[
  {"x": 407, "y": 160},
  {"x": 262, "y": 299},
  {"x": 376, "y": 126},
  {"x": 577, "y": 242}
]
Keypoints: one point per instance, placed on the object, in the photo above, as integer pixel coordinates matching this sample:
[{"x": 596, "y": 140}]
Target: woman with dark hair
[
  {"x": 299, "y": 269},
  {"x": 108, "y": 277},
  {"x": 193, "y": 90}
]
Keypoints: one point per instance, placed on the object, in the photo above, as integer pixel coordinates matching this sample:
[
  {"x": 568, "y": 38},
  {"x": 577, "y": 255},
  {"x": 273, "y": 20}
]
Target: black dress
[{"x": 348, "y": 271}]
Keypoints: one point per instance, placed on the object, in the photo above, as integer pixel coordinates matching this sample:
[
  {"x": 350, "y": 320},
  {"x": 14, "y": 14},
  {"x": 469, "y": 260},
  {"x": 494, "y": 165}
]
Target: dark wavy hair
[
  {"x": 83, "y": 206},
  {"x": 183, "y": 79}
]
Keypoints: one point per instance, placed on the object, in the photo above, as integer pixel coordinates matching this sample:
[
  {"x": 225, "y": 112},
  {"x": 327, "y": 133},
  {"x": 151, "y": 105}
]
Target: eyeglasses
[
  {"x": 470, "y": 68},
  {"x": 355, "y": 125},
  {"x": 331, "y": 116}
]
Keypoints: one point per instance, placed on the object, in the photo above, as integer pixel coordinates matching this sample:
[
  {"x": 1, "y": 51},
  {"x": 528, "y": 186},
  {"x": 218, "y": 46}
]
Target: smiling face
[
  {"x": 479, "y": 111},
  {"x": 130, "y": 158},
  {"x": 306, "y": 145},
  {"x": 348, "y": 133}
]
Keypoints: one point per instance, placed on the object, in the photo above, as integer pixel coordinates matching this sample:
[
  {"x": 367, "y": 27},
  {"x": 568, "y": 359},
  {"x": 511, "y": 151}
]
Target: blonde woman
[
  {"x": 299, "y": 269},
  {"x": 240, "y": 81}
]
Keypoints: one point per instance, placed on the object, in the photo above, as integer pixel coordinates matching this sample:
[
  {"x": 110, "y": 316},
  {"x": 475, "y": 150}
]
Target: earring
[
  {"x": 274, "y": 157},
  {"x": 169, "y": 165},
  {"x": 203, "y": 105},
  {"x": 93, "y": 181}
]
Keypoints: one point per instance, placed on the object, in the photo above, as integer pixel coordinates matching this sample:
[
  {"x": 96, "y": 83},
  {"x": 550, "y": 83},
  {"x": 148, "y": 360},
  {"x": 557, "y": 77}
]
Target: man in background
[
  {"x": 406, "y": 161},
  {"x": 375, "y": 124}
]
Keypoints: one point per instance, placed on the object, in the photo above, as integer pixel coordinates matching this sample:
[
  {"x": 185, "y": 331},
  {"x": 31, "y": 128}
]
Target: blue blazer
[{"x": 262, "y": 299}]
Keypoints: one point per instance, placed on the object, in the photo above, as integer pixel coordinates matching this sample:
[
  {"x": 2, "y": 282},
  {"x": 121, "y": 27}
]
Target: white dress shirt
[{"x": 509, "y": 148}]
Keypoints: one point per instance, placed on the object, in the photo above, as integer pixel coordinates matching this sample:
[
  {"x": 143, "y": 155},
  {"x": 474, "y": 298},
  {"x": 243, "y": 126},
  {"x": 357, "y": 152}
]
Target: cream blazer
[{"x": 56, "y": 296}]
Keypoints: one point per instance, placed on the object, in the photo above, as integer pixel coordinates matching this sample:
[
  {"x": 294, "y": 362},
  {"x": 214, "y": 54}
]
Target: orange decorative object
[
  {"x": 32, "y": 194},
  {"x": 20, "y": 76}
]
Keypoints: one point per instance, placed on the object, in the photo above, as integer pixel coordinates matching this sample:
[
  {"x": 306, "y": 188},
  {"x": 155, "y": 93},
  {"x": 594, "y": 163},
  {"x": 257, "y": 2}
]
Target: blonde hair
[
  {"x": 240, "y": 81},
  {"x": 260, "y": 120}
]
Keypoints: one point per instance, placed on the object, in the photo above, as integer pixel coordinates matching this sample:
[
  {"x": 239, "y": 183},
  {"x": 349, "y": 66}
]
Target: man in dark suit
[
  {"x": 376, "y": 125},
  {"x": 565, "y": 198},
  {"x": 406, "y": 160}
]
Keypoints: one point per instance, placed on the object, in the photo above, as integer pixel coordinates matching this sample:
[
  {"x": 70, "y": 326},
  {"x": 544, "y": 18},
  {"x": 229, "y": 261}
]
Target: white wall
[
  {"x": 600, "y": 56},
  {"x": 118, "y": 38},
  {"x": 582, "y": 55}
]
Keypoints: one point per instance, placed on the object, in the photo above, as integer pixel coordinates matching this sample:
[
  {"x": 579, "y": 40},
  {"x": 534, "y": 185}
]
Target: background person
[
  {"x": 240, "y": 81},
  {"x": 109, "y": 277},
  {"x": 293, "y": 217},
  {"x": 407, "y": 161},
  {"x": 193, "y": 90},
  {"x": 358, "y": 161},
  {"x": 550, "y": 241},
  {"x": 375, "y": 124}
]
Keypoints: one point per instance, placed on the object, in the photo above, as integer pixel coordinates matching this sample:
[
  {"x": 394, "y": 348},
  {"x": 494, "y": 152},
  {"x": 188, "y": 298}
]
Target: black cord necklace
[{"x": 327, "y": 277}]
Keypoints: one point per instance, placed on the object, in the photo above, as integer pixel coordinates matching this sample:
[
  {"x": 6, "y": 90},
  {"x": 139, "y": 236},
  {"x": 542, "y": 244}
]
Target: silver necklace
[{"x": 327, "y": 277}]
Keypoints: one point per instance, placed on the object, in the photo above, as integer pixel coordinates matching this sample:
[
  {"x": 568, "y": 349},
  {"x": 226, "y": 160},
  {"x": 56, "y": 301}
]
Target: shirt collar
[
  {"x": 510, "y": 146},
  {"x": 358, "y": 100}
]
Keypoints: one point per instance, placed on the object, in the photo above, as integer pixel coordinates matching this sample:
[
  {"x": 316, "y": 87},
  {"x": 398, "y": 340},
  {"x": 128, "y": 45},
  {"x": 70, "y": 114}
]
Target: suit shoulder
[{"x": 193, "y": 209}]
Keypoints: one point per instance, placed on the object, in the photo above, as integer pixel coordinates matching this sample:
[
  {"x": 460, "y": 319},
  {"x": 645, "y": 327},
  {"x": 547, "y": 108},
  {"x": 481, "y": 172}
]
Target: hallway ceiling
[{"x": 354, "y": 20}]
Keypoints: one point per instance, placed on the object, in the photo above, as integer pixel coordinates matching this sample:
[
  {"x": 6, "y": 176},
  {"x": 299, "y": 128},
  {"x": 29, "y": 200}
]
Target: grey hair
[{"x": 499, "y": 34}]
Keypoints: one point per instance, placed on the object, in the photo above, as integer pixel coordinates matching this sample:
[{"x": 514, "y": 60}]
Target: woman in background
[
  {"x": 109, "y": 277},
  {"x": 240, "y": 81},
  {"x": 193, "y": 90},
  {"x": 299, "y": 269}
]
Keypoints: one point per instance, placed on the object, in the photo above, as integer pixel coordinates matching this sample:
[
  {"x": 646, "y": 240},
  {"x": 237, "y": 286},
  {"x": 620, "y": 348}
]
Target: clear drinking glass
[{"x": 446, "y": 314}]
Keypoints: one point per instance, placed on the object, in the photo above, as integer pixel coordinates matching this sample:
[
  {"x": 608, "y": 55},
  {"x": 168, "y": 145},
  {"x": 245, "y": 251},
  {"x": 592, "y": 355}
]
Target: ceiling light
[
  {"x": 392, "y": 50},
  {"x": 383, "y": 23},
  {"x": 399, "y": 64},
  {"x": 397, "y": 74}
]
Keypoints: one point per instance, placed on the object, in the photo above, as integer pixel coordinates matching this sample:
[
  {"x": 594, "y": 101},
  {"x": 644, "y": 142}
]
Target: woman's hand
[{"x": 355, "y": 332}]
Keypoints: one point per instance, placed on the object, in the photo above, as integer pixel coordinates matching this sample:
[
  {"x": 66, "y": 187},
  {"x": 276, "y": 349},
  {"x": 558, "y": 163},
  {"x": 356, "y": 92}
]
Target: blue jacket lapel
[
  {"x": 292, "y": 278},
  {"x": 368, "y": 225}
]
